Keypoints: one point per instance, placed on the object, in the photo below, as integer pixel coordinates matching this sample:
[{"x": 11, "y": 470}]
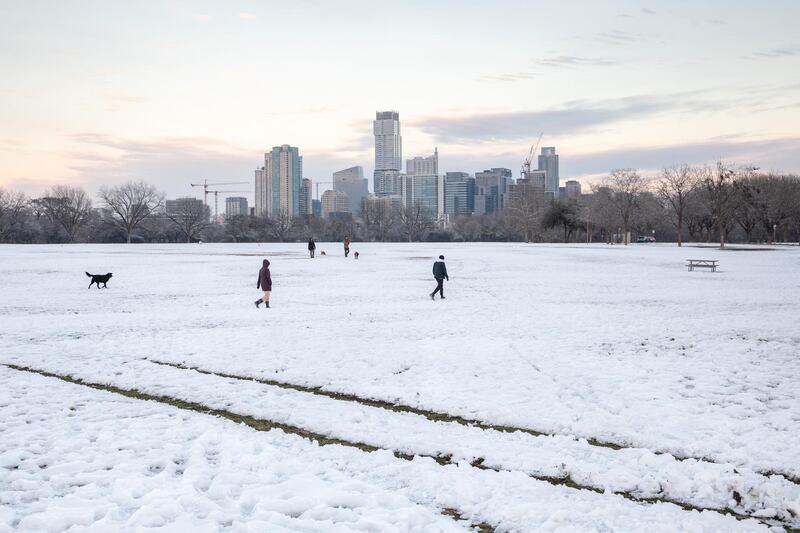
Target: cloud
[
  {"x": 617, "y": 37},
  {"x": 510, "y": 77},
  {"x": 169, "y": 163},
  {"x": 787, "y": 51},
  {"x": 572, "y": 61},
  {"x": 9, "y": 145},
  {"x": 777, "y": 153},
  {"x": 718, "y": 22},
  {"x": 203, "y": 18},
  {"x": 572, "y": 117},
  {"x": 244, "y": 15},
  {"x": 648, "y": 11},
  {"x": 549, "y": 62}
]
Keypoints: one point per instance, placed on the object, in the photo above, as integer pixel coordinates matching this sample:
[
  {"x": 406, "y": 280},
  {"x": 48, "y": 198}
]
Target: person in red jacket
[{"x": 264, "y": 283}]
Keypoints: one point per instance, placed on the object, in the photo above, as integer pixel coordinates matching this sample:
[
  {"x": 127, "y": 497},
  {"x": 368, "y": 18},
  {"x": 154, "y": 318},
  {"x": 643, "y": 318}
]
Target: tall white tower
[{"x": 388, "y": 151}]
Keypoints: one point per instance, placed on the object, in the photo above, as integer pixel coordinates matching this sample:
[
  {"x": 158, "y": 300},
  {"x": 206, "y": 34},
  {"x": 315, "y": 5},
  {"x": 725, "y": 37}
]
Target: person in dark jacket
[
  {"x": 312, "y": 246},
  {"x": 440, "y": 274},
  {"x": 264, "y": 283}
]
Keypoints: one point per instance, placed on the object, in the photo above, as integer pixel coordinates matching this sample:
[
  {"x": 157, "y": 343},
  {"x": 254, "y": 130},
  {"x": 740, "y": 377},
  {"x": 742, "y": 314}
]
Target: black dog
[{"x": 98, "y": 279}]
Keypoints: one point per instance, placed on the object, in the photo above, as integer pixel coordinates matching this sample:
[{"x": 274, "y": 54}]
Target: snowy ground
[{"x": 631, "y": 377}]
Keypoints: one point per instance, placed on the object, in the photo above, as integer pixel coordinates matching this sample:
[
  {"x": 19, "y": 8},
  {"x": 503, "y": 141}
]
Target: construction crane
[
  {"x": 526, "y": 163},
  {"x": 216, "y": 200},
  {"x": 206, "y": 184}
]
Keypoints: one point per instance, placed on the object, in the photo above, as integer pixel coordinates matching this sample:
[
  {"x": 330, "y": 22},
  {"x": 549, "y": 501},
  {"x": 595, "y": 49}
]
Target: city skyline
[{"x": 172, "y": 92}]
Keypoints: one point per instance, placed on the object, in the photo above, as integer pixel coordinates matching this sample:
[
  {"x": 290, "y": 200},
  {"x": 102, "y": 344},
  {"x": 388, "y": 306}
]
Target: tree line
[{"x": 720, "y": 203}]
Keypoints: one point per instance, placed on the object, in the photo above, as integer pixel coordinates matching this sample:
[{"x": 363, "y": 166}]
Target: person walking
[
  {"x": 312, "y": 246},
  {"x": 440, "y": 274},
  {"x": 346, "y": 246},
  {"x": 264, "y": 283}
]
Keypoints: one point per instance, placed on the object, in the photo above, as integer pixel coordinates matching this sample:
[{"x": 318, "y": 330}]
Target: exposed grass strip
[
  {"x": 261, "y": 424},
  {"x": 437, "y": 416}
]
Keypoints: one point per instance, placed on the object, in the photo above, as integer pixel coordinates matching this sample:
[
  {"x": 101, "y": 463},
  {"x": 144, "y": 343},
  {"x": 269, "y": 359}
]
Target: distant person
[
  {"x": 312, "y": 246},
  {"x": 264, "y": 283},
  {"x": 346, "y": 246},
  {"x": 440, "y": 274}
]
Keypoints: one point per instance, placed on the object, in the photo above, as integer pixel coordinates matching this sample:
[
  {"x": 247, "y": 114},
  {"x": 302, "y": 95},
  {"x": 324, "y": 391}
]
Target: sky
[{"x": 99, "y": 92}]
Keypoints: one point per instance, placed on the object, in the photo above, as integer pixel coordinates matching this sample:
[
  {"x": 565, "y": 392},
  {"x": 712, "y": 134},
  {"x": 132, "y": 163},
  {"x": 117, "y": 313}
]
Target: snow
[{"x": 618, "y": 344}]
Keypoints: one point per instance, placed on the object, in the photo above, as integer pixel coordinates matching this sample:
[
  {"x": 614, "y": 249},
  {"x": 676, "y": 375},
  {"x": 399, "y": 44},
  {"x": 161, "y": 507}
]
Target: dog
[
  {"x": 355, "y": 255},
  {"x": 98, "y": 279},
  {"x": 322, "y": 253}
]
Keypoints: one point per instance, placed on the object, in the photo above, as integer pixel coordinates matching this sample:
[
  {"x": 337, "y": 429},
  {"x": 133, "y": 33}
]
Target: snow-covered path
[{"x": 615, "y": 344}]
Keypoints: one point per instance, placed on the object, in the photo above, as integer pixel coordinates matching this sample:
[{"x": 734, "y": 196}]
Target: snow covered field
[{"x": 567, "y": 387}]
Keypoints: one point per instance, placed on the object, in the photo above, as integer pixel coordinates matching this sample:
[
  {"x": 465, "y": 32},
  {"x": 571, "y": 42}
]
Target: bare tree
[
  {"x": 67, "y": 207},
  {"x": 279, "y": 226},
  {"x": 524, "y": 211},
  {"x": 379, "y": 217},
  {"x": 415, "y": 221},
  {"x": 131, "y": 203},
  {"x": 745, "y": 209},
  {"x": 720, "y": 196},
  {"x": 12, "y": 213},
  {"x": 626, "y": 185},
  {"x": 675, "y": 187},
  {"x": 189, "y": 217}
]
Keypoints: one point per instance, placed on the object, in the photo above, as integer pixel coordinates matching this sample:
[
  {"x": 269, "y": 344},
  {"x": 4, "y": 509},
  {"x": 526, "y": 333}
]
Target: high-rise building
[
  {"x": 278, "y": 182},
  {"x": 351, "y": 182},
  {"x": 305, "y": 197},
  {"x": 388, "y": 152},
  {"x": 426, "y": 192},
  {"x": 316, "y": 208},
  {"x": 573, "y": 189},
  {"x": 537, "y": 178},
  {"x": 424, "y": 165},
  {"x": 334, "y": 202},
  {"x": 236, "y": 206},
  {"x": 548, "y": 161},
  {"x": 459, "y": 193},
  {"x": 491, "y": 190},
  {"x": 187, "y": 207}
]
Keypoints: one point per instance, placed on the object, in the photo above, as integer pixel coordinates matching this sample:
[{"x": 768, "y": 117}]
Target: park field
[{"x": 557, "y": 387}]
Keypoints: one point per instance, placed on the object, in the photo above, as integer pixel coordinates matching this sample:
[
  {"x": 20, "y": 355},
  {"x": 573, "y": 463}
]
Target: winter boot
[
  {"x": 432, "y": 296},
  {"x": 267, "y": 304},
  {"x": 258, "y": 302}
]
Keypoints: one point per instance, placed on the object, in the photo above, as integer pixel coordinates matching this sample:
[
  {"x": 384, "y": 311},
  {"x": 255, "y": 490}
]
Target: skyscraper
[
  {"x": 491, "y": 189},
  {"x": 334, "y": 202},
  {"x": 236, "y": 206},
  {"x": 278, "y": 182},
  {"x": 548, "y": 161},
  {"x": 305, "y": 197},
  {"x": 459, "y": 193},
  {"x": 388, "y": 152},
  {"x": 426, "y": 191},
  {"x": 423, "y": 165},
  {"x": 351, "y": 182},
  {"x": 573, "y": 188}
]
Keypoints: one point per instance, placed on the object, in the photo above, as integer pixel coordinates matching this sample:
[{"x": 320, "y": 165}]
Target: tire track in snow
[
  {"x": 577, "y": 476},
  {"x": 264, "y": 424},
  {"x": 438, "y": 416},
  {"x": 258, "y": 424}
]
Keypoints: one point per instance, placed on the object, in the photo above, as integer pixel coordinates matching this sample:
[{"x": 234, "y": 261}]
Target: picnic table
[{"x": 702, "y": 263}]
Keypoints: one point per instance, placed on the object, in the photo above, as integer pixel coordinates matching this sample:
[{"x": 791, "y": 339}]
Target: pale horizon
[{"x": 176, "y": 92}]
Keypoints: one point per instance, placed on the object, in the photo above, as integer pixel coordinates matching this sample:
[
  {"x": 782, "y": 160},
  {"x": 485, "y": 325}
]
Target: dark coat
[
  {"x": 312, "y": 245},
  {"x": 440, "y": 271},
  {"x": 264, "y": 278}
]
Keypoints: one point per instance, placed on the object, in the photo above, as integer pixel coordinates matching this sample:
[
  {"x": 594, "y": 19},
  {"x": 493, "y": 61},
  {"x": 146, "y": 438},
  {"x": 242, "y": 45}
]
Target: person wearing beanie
[{"x": 440, "y": 274}]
